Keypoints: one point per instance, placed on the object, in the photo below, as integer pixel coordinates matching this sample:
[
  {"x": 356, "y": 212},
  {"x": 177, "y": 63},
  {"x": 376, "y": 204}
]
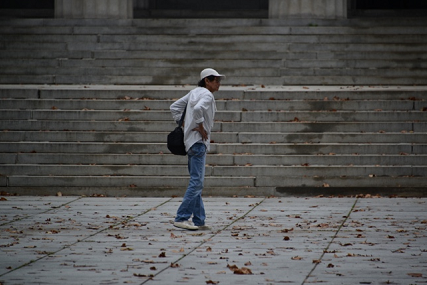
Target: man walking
[{"x": 198, "y": 123}]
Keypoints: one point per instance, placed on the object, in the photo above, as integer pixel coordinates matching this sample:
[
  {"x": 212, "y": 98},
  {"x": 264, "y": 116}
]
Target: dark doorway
[
  {"x": 388, "y": 8},
  {"x": 27, "y": 8},
  {"x": 27, "y": 4},
  {"x": 202, "y": 9},
  {"x": 391, "y": 4}
]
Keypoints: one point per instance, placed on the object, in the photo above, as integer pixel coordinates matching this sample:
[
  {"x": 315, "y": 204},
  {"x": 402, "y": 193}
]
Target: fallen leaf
[
  {"x": 286, "y": 230},
  {"x": 126, "y": 249},
  {"x": 297, "y": 258},
  {"x": 243, "y": 271},
  {"x": 415, "y": 274},
  {"x": 232, "y": 267}
]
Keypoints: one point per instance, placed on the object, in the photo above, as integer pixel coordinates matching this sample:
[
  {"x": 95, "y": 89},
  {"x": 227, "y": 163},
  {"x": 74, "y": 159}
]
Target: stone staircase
[
  {"x": 322, "y": 107},
  {"x": 88, "y": 139},
  {"x": 249, "y": 51}
]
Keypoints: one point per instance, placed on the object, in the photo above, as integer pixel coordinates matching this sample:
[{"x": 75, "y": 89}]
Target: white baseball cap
[{"x": 208, "y": 72}]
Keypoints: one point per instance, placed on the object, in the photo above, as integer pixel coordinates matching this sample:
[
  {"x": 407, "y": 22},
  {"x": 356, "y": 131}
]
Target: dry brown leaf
[
  {"x": 415, "y": 274},
  {"x": 232, "y": 267},
  {"x": 243, "y": 271},
  {"x": 297, "y": 258}
]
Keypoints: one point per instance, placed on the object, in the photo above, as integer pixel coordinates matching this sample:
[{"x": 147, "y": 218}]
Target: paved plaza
[{"x": 254, "y": 240}]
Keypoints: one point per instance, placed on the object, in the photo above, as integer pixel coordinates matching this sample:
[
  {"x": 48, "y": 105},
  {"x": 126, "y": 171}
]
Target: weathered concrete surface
[{"x": 87, "y": 240}]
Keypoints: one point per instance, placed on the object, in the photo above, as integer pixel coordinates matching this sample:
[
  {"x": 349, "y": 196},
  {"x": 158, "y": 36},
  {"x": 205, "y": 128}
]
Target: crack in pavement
[
  {"x": 127, "y": 219},
  {"x": 44, "y": 212},
  {"x": 329, "y": 244},
  {"x": 205, "y": 241}
]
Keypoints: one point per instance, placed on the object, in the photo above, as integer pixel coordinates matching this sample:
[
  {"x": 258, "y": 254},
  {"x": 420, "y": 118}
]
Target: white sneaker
[{"x": 186, "y": 225}]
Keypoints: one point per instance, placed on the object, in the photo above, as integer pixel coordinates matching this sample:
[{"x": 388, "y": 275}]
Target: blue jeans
[{"x": 192, "y": 203}]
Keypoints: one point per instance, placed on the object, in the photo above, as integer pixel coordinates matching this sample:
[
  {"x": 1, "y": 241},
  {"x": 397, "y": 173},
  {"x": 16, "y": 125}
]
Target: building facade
[{"x": 273, "y": 9}]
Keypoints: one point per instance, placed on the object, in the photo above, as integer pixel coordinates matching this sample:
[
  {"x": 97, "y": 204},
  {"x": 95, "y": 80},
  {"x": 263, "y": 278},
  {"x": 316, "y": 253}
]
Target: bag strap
[{"x": 182, "y": 117}]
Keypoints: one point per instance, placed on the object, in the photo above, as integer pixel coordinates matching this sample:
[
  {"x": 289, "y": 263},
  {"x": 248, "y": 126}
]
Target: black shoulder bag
[{"x": 176, "y": 138}]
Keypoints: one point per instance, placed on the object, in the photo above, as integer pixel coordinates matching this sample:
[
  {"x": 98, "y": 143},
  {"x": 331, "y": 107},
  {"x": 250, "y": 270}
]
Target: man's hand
[{"x": 202, "y": 131}]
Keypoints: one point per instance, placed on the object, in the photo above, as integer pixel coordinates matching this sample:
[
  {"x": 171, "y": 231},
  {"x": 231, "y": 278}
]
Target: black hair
[{"x": 202, "y": 82}]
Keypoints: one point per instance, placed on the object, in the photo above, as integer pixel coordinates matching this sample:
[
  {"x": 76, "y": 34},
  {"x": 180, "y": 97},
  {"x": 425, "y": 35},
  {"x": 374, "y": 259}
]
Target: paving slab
[{"x": 268, "y": 240}]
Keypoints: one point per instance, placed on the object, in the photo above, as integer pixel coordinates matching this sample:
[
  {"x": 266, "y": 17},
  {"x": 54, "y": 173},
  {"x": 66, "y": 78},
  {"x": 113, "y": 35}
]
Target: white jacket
[{"x": 201, "y": 108}]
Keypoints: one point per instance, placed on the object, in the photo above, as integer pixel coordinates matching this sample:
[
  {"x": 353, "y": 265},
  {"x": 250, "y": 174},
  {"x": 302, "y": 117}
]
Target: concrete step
[
  {"x": 345, "y": 80},
  {"x": 255, "y": 52},
  {"x": 158, "y": 80},
  {"x": 242, "y": 92},
  {"x": 241, "y": 34},
  {"x": 35, "y": 170},
  {"x": 218, "y": 137},
  {"x": 261, "y": 75},
  {"x": 165, "y": 182},
  {"x": 198, "y": 27},
  {"x": 230, "y": 22},
  {"x": 117, "y": 181},
  {"x": 234, "y": 148},
  {"x": 355, "y": 72},
  {"x": 101, "y": 105},
  {"x": 213, "y": 159},
  {"x": 164, "y": 126},
  {"x": 62, "y": 55},
  {"x": 228, "y": 116}
]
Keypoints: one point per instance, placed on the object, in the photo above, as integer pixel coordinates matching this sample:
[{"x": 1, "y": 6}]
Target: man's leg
[{"x": 191, "y": 203}]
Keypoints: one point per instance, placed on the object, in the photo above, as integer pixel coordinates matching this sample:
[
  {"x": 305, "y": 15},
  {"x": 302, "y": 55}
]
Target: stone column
[
  {"x": 317, "y": 9},
  {"x": 94, "y": 9}
]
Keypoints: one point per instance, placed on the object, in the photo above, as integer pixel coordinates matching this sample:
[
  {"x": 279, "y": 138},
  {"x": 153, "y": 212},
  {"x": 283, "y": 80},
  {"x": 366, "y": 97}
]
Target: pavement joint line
[
  {"x": 89, "y": 236},
  {"x": 44, "y": 212},
  {"x": 204, "y": 241},
  {"x": 330, "y": 242}
]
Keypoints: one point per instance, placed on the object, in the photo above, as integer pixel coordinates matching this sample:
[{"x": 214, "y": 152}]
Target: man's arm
[{"x": 177, "y": 108}]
